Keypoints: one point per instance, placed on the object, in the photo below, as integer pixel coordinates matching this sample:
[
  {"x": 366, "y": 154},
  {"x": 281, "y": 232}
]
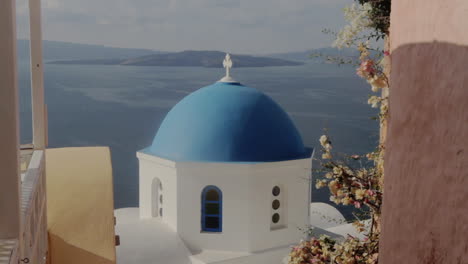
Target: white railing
[
  {"x": 33, "y": 241},
  {"x": 31, "y": 247},
  {"x": 8, "y": 251}
]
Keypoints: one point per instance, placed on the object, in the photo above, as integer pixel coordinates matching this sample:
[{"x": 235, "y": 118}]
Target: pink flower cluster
[
  {"x": 366, "y": 69},
  {"x": 315, "y": 250}
]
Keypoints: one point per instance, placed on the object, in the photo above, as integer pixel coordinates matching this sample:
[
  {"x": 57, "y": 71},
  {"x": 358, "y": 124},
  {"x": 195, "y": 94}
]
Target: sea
[{"x": 122, "y": 107}]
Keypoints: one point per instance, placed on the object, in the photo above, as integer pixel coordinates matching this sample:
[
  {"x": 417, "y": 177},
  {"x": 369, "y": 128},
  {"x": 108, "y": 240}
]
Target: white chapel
[{"x": 226, "y": 180}]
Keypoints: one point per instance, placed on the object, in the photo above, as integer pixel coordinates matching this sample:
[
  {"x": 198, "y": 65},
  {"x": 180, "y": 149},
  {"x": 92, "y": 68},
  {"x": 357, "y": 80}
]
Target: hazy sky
[{"x": 242, "y": 26}]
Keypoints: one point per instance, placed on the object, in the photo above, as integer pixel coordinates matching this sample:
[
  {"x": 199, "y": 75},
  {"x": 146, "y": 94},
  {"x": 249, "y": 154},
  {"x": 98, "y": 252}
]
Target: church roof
[{"x": 228, "y": 122}]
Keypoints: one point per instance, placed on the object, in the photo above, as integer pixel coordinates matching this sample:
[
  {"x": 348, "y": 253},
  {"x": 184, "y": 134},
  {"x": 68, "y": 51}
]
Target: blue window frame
[{"x": 212, "y": 209}]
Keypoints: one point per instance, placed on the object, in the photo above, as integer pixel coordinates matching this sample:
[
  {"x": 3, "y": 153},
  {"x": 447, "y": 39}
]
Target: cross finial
[{"x": 227, "y": 63}]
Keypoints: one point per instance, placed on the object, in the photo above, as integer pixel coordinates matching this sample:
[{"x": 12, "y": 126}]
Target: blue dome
[{"x": 228, "y": 122}]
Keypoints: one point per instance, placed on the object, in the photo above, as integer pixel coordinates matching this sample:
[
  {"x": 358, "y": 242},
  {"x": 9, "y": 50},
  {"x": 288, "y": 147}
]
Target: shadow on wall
[
  {"x": 80, "y": 212},
  {"x": 63, "y": 252},
  {"x": 425, "y": 217}
]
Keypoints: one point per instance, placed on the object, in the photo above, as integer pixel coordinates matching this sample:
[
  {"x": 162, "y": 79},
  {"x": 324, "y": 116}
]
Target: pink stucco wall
[{"x": 425, "y": 213}]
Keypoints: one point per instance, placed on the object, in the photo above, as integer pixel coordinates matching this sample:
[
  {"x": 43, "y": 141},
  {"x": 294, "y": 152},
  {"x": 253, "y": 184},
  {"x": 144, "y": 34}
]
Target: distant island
[
  {"x": 316, "y": 55},
  {"x": 57, "y": 52},
  {"x": 208, "y": 59}
]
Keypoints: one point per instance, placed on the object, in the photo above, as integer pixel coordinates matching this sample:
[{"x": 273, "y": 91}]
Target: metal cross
[{"x": 227, "y": 63}]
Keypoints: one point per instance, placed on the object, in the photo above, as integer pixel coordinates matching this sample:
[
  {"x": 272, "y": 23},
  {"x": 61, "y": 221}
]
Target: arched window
[{"x": 212, "y": 209}]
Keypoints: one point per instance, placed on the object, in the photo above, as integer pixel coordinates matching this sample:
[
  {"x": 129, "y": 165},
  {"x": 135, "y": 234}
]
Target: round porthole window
[
  {"x": 276, "y": 191},
  {"x": 275, "y": 204},
  {"x": 275, "y": 218}
]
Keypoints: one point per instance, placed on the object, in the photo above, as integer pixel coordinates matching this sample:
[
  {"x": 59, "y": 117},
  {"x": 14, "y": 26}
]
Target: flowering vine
[
  {"x": 358, "y": 179},
  {"x": 358, "y": 19}
]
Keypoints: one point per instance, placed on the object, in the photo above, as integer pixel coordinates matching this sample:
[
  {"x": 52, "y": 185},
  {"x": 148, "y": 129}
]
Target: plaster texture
[
  {"x": 151, "y": 240},
  {"x": 345, "y": 230},
  {"x": 323, "y": 215},
  {"x": 80, "y": 206},
  {"x": 246, "y": 204},
  {"x": 9, "y": 123},
  {"x": 147, "y": 240},
  {"x": 425, "y": 213}
]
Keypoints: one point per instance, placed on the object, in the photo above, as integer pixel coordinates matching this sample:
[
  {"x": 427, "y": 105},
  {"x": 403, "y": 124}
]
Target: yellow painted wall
[{"x": 80, "y": 206}]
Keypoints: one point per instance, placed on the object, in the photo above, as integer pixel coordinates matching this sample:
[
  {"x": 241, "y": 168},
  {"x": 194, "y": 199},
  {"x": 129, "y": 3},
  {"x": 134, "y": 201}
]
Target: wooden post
[
  {"x": 9, "y": 128},
  {"x": 37, "y": 76}
]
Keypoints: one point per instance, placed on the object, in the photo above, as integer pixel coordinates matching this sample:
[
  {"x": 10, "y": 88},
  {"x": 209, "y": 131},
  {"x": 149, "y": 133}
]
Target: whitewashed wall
[
  {"x": 246, "y": 201},
  {"x": 150, "y": 168},
  {"x": 293, "y": 177},
  {"x": 232, "y": 180}
]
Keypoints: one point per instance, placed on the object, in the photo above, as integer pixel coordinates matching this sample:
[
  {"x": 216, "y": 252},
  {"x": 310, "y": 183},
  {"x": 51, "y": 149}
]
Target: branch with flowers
[
  {"x": 357, "y": 186},
  {"x": 348, "y": 185},
  {"x": 361, "y": 185},
  {"x": 324, "y": 250},
  {"x": 375, "y": 75}
]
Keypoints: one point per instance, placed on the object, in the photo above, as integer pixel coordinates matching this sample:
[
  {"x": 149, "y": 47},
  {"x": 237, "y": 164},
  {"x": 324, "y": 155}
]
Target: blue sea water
[{"x": 123, "y": 106}]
